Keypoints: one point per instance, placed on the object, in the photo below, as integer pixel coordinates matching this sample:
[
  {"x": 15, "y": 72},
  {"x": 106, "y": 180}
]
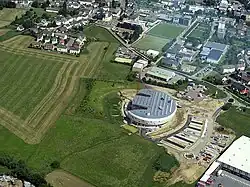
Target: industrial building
[
  {"x": 160, "y": 74},
  {"x": 232, "y": 168},
  {"x": 150, "y": 109},
  {"x": 212, "y": 52}
]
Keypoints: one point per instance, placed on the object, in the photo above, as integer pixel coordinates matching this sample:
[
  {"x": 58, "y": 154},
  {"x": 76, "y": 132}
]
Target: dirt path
[{"x": 60, "y": 178}]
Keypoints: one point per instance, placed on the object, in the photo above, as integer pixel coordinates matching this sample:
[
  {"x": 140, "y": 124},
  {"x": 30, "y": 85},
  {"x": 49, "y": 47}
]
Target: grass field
[
  {"x": 165, "y": 30},
  {"x": 25, "y": 81},
  {"x": 151, "y": 42},
  {"x": 87, "y": 138},
  {"x": 7, "y": 15},
  {"x": 41, "y": 11},
  {"x": 236, "y": 120},
  {"x": 90, "y": 144},
  {"x": 201, "y": 32},
  {"x": 19, "y": 41},
  {"x": 3, "y": 31},
  {"x": 100, "y": 34}
]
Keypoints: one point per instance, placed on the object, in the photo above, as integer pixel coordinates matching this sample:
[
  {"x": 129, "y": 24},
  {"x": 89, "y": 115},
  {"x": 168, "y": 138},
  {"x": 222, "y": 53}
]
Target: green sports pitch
[
  {"x": 166, "y": 30},
  {"x": 151, "y": 42}
]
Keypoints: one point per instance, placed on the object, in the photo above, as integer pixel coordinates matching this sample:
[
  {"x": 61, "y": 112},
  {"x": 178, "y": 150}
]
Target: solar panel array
[{"x": 153, "y": 104}]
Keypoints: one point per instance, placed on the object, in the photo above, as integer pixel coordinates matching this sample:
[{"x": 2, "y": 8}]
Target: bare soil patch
[{"x": 60, "y": 178}]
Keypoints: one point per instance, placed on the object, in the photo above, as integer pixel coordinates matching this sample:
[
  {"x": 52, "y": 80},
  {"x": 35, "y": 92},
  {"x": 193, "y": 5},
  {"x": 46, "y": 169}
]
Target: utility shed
[{"x": 236, "y": 157}]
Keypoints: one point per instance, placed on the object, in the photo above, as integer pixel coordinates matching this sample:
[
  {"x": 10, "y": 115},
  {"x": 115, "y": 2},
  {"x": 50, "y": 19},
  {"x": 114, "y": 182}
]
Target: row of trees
[
  {"x": 29, "y": 19},
  {"x": 7, "y": 4},
  {"x": 20, "y": 170},
  {"x": 37, "y": 4}
]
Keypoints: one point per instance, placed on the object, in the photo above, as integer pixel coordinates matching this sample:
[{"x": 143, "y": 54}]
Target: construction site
[{"x": 191, "y": 134}]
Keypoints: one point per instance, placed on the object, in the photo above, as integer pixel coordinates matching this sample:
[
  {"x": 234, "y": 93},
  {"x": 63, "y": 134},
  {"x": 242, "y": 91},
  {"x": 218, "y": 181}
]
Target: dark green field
[{"x": 237, "y": 120}]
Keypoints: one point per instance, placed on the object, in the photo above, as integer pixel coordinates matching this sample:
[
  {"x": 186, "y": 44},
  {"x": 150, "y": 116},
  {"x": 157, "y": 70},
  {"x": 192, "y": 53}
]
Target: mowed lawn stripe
[
  {"x": 17, "y": 84},
  {"x": 7, "y": 77},
  {"x": 34, "y": 73},
  {"x": 36, "y": 92}
]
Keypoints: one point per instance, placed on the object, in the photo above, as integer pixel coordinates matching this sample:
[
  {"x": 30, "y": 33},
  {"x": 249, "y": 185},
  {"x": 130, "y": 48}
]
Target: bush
[
  {"x": 165, "y": 163},
  {"x": 55, "y": 165},
  {"x": 226, "y": 106}
]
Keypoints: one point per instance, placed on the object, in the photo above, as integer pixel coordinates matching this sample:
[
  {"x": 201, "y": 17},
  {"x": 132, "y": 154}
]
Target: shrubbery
[{"x": 20, "y": 170}]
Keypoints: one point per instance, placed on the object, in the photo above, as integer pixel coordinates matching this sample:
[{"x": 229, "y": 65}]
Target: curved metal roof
[{"x": 154, "y": 104}]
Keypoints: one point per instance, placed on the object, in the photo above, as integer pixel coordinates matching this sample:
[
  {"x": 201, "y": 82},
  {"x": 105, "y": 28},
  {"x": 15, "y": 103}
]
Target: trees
[
  {"x": 45, "y": 4},
  {"x": 63, "y": 11},
  {"x": 20, "y": 170},
  {"x": 55, "y": 164},
  {"x": 35, "y": 4}
]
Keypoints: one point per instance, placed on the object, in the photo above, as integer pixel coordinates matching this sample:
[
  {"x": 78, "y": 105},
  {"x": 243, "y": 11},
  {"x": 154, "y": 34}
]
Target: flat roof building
[
  {"x": 213, "y": 51},
  {"x": 160, "y": 74},
  {"x": 237, "y": 157},
  {"x": 232, "y": 168}
]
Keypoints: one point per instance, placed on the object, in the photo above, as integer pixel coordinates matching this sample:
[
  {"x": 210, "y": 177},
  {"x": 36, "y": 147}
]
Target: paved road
[{"x": 125, "y": 44}]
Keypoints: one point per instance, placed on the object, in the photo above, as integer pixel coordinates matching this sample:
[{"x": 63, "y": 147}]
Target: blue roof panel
[{"x": 214, "y": 54}]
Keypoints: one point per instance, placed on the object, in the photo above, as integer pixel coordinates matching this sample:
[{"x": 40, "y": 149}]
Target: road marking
[{"x": 236, "y": 179}]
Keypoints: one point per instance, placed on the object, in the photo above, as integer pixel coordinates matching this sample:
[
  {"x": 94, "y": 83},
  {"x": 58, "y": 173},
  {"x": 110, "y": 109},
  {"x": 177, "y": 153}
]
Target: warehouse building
[
  {"x": 232, "y": 168},
  {"x": 160, "y": 74},
  {"x": 150, "y": 109}
]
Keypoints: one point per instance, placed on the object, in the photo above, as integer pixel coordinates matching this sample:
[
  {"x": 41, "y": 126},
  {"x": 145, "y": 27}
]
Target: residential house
[
  {"x": 68, "y": 26},
  {"x": 86, "y": 2},
  {"x": 239, "y": 88},
  {"x": 44, "y": 22},
  {"x": 39, "y": 38},
  {"x": 176, "y": 19},
  {"x": 70, "y": 42},
  {"x": 61, "y": 36},
  {"x": 35, "y": 44},
  {"x": 54, "y": 40},
  {"x": 80, "y": 40},
  {"x": 58, "y": 22},
  {"x": 241, "y": 67},
  {"x": 245, "y": 79},
  {"x": 228, "y": 69},
  {"x": 61, "y": 48},
  {"x": 47, "y": 39},
  {"x": 74, "y": 49},
  {"x": 20, "y": 28},
  {"x": 49, "y": 46}
]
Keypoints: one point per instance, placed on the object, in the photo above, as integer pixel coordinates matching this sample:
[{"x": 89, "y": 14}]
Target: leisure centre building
[{"x": 150, "y": 109}]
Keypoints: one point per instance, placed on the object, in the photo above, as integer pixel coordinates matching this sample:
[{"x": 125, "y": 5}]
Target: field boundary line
[
  {"x": 50, "y": 94},
  {"x": 61, "y": 102}
]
